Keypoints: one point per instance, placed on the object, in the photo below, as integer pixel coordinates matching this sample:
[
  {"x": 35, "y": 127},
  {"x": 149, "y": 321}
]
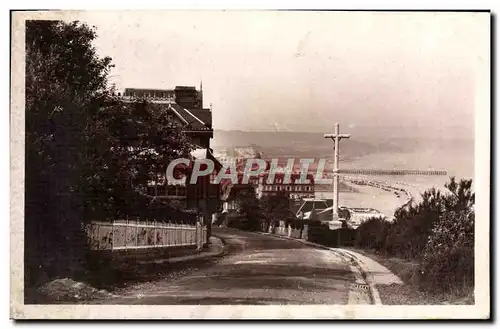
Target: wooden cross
[{"x": 336, "y": 138}]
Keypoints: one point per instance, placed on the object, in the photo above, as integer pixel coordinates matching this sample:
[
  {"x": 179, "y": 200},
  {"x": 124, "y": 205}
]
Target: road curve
[{"x": 259, "y": 270}]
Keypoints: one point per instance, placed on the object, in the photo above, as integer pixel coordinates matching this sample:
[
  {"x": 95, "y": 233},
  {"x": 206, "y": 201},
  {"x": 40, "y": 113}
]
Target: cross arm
[{"x": 335, "y": 136}]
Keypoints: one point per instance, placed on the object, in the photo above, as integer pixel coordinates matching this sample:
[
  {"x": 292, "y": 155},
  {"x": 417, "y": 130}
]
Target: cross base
[{"x": 335, "y": 223}]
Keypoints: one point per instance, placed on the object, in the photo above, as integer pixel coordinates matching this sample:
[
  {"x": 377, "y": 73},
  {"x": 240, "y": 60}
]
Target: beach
[
  {"x": 371, "y": 193},
  {"x": 381, "y": 198},
  {"x": 384, "y": 193}
]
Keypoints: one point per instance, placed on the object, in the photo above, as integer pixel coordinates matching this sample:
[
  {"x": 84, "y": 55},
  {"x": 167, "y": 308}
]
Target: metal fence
[{"x": 127, "y": 234}]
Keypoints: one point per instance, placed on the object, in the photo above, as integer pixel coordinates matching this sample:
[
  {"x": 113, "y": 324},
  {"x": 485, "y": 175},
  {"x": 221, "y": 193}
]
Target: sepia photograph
[{"x": 239, "y": 164}]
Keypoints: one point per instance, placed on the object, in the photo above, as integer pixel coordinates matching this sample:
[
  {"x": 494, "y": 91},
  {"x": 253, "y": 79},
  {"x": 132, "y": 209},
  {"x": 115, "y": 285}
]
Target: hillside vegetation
[{"x": 437, "y": 233}]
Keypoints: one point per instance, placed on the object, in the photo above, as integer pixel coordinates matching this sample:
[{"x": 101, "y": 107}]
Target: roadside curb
[
  {"x": 219, "y": 244},
  {"x": 203, "y": 255},
  {"x": 368, "y": 276},
  {"x": 364, "y": 270}
]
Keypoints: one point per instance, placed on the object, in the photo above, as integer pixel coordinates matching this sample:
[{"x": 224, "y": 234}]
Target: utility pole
[{"x": 336, "y": 138}]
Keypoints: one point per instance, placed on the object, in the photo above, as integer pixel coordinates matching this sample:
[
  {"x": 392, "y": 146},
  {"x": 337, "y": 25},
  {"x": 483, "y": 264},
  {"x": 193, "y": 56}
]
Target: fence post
[
  {"x": 184, "y": 234},
  {"x": 199, "y": 234},
  {"x": 136, "y": 233},
  {"x": 305, "y": 232},
  {"x": 113, "y": 235},
  {"x": 98, "y": 236},
  {"x": 126, "y": 236}
]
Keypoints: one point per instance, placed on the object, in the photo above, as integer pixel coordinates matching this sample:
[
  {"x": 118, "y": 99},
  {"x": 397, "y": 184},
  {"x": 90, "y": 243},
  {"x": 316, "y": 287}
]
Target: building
[
  {"x": 294, "y": 188},
  {"x": 186, "y": 105},
  {"x": 230, "y": 193},
  {"x": 224, "y": 157},
  {"x": 246, "y": 152},
  {"x": 359, "y": 215},
  {"x": 308, "y": 205},
  {"x": 237, "y": 157},
  {"x": 353, "y": 216},
  {"x": 185, "y": 96}
]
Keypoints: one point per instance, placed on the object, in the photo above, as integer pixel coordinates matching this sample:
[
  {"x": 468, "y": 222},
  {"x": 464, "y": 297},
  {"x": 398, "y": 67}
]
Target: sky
[{"x": 305, "y": 71}]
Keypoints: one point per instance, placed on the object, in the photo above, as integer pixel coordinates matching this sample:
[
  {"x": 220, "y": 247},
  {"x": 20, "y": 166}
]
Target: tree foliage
[
  {"x": 66, "y": 81},
  {"x": 88, "y": 154},
  {"x": 414, "y": 224},
  {"x": 438, "y": 232},
  {"x": 449, "y": 252},
  {"x": 275, "y": 208},
  {"x": 372, "y": 233},
  {"x": 129, "y": 147},
  {"x": 248, "y": 206}
]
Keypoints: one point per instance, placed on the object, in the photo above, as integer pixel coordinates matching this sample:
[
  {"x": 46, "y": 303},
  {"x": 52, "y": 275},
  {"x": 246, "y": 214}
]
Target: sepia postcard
[{"x": 190, "y": 164}]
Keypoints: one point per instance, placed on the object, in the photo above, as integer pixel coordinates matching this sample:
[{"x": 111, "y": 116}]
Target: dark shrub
[
  {"x": 448, "y": 269},
  {"x": 449, "y": 254},
  {"x": 332, "y": 238},
  {"x": 438, "y": 232},
  {"x": 372, "y": 234},
  {"x": 412, "y": 226}
]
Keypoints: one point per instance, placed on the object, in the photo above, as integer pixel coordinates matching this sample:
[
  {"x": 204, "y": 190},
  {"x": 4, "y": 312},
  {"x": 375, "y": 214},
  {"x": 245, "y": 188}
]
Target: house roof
[
  {"x": 230, "y": 191},
  {"x": 185, "y": 88},
  {"x": 143, "y": 92},
  {"x": 195, "y": 119}
]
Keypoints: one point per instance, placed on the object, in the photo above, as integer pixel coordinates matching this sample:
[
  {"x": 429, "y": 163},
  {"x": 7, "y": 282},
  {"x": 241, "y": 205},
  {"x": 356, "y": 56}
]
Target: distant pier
[{"x": 380, "y": 172}]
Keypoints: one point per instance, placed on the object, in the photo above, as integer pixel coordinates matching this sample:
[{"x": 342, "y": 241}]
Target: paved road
[{"x": 258, "y": 270}]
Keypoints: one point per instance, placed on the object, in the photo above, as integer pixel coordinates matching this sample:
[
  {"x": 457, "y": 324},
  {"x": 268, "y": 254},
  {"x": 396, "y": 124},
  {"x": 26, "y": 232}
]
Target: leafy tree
[
  {"x": 137, "y": 142},
  {"x": 275, "y": 208},
  {"x": 438, "y": 231},
  {"x": 413, "y": 224},
  {"x": 88, "y": 154},
  {"x": 372, "y": 233},
  {"x": 248, "y": 205},
  {"x": 462, "y": 197},
  {"x": 66, "y": 82},
  {"x": 449, "y": 253}
]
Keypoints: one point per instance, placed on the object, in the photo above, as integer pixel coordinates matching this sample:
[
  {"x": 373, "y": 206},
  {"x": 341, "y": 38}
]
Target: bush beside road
[
  {"x": 429, "y": 244},
  {"x": 411, "y": 293}
]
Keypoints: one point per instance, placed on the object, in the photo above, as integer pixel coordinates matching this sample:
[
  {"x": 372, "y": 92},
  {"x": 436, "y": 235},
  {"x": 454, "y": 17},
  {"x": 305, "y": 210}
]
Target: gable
[{"x": 193, "y": 118}]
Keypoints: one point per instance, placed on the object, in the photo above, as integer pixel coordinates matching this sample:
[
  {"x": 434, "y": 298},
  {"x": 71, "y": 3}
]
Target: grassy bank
[
  {"x": 429, "y": 245},
  {"x": 411, "y": 292}
]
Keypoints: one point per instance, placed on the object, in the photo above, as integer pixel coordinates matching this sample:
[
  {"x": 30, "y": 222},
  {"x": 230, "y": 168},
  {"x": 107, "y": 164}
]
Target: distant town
[{"x": 186, "y": 103}]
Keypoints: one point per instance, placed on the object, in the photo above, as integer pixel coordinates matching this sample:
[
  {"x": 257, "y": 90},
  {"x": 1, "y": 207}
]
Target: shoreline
[
  {"x": 384, "y": 186},
  {"x": 382, "y": 195}
]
